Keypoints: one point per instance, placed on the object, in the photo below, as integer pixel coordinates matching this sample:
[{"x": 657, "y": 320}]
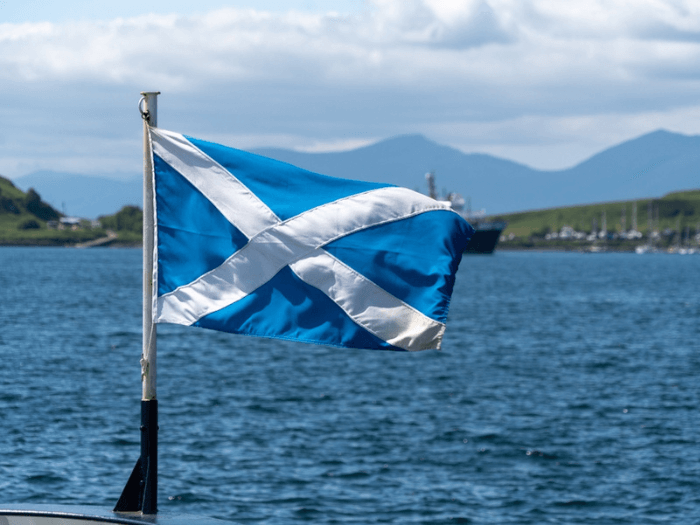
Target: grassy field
[{"x": 673, "y": 210}]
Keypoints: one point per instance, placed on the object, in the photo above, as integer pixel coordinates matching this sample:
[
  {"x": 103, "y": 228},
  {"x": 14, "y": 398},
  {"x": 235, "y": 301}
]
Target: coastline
[
  {"x": 665, "y": 245},
  {"x": 47, "y": 243}
]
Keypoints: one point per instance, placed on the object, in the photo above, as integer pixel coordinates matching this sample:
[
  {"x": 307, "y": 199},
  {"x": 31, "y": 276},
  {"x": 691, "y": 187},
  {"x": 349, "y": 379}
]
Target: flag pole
[{"x": 141, "y": 490}]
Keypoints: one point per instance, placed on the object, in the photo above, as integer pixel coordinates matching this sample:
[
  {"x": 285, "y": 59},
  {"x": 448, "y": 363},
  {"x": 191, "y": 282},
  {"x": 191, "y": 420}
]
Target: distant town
[{"x": 669, "y": 224}]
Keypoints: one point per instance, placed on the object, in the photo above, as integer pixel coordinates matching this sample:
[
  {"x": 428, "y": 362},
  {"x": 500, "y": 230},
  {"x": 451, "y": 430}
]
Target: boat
[
  {"x": 486, "y": 235},
  {"x": 487, "y": 232}
]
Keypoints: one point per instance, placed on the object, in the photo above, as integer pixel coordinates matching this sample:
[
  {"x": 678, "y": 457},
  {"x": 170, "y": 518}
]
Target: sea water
[{"x": 567, "y": 391}]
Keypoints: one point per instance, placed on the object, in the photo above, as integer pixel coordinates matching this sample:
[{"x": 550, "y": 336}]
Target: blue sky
[
  {"x": 543, "y": 82},
  {"x": 63, "y": 11}
]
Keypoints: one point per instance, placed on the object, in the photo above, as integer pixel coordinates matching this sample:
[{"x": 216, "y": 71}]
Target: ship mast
[{"x": 430, "y": 178}]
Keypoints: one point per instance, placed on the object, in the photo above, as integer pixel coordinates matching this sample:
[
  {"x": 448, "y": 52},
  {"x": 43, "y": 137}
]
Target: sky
[{"x": 543, "y": 82}]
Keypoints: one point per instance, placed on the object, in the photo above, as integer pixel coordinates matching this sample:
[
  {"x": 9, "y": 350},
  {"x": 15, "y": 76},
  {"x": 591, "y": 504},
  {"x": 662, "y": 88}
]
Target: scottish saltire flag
[{"x": 250, "y": 245}]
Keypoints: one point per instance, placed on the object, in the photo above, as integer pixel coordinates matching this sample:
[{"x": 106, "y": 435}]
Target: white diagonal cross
[{"x": 297, "y": 243}]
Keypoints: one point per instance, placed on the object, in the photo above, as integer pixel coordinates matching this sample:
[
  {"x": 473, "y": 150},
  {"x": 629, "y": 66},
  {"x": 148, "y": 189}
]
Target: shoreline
[{"x": 79, "y": 246}]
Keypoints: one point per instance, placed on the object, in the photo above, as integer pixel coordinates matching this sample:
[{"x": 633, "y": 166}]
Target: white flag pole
[
  {"x": 141, "y": 490},
  {"x": 148, "y": 359}
]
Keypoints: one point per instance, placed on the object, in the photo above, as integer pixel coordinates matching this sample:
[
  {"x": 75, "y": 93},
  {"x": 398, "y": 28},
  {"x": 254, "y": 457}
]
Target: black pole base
[{"x": 141, "y": 491}]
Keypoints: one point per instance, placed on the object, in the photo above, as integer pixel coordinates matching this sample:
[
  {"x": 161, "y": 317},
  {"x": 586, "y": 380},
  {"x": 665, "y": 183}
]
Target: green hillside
[
  {"x": 25, "y": 220},
  {"x": 670, "y": 215},
  {"x": 127, "y": 223}
]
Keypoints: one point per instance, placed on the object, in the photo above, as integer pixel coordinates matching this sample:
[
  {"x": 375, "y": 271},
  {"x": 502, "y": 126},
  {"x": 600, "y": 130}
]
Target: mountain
[
  {"x": 648, "y": 166},
  {"x": 405, "y": 160},
  {"x": 82, "y": 195},
  {"x": 651, "y": 165}
]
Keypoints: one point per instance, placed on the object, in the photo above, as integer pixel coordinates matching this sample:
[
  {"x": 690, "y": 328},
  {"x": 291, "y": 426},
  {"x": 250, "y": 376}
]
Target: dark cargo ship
[{"x": 486, "y": 234}]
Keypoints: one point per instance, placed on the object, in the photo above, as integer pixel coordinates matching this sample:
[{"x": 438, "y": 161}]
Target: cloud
[
  {"x": 319, "y": 79},
  {"x": 403, "y": 43}
]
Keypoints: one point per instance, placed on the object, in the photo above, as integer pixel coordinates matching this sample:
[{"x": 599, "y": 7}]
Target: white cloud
[
  {"x": 397, "y": 42},
  {"x": 473, "y": 66}
]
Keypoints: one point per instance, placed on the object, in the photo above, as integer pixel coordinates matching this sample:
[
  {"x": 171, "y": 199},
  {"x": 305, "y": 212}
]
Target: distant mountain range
[{"x": 648, "y": 166}]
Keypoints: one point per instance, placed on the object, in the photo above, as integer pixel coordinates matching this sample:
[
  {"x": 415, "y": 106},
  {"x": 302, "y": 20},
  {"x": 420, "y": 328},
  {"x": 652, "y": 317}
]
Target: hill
[
  {"x": 19, "y": 209},
  {"x": 25, "y": 219},
  {"x": 127, "y": 223}
]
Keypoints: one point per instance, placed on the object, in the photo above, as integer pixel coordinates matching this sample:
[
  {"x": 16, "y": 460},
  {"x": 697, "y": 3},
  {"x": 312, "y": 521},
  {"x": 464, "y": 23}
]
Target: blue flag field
[{"x": 250, "y": 245}]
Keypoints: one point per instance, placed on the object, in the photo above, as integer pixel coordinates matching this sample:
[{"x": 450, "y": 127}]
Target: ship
[{"x": 487, "y": 232}]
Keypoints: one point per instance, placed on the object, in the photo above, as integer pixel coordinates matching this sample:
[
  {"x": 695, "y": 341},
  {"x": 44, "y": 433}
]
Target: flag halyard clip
[{"x": 145, "y": 114}]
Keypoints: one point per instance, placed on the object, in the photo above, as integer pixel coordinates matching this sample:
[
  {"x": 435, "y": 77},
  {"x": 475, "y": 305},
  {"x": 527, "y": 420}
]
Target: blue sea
[{"x": 567, "y": 391}]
